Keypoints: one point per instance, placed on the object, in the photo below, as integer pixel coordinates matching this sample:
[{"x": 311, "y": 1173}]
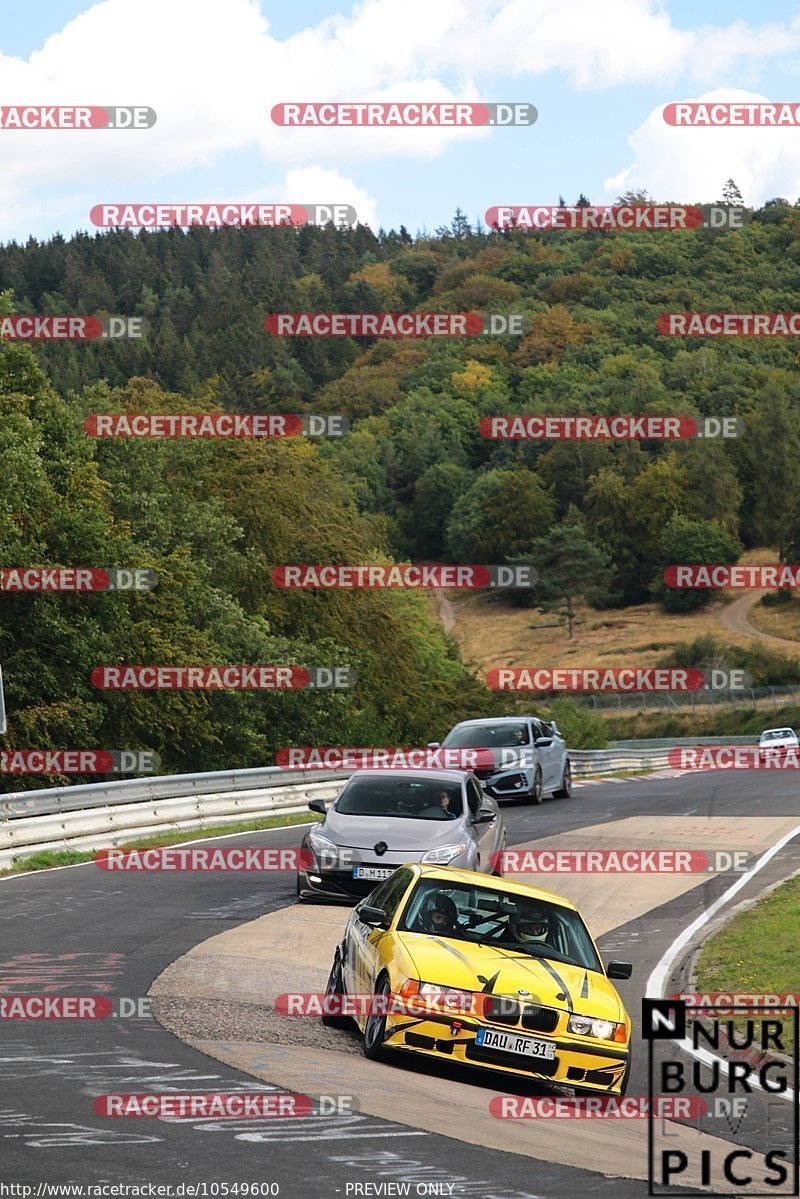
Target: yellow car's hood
[{"x": 449, "y": 962}]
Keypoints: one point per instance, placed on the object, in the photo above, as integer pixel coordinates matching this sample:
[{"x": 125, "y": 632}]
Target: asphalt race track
[{"x": 83, "y": 931}]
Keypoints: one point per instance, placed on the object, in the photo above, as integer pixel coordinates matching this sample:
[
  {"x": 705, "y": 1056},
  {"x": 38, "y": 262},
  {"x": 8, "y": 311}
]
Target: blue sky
[{"x": 597, "y": 73}]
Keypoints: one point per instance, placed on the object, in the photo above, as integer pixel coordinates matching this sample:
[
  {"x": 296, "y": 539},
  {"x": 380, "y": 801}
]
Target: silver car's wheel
[
  {"x": 565, "y": 790},
  {"x": 537, "y": 794}
]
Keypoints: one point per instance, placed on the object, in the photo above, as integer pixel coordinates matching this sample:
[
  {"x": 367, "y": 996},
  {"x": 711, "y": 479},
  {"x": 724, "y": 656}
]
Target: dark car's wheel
[
  {"x": 565, "y": 790},
  {"x": 335, "y": 988},
  {"x": 375, "y": 1030},
  {"x": 537, "y": 794}
]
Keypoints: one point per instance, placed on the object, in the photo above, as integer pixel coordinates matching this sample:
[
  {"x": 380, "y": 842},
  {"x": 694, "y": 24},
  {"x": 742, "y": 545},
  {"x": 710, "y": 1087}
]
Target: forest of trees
[{"x": 413, "y": 479}]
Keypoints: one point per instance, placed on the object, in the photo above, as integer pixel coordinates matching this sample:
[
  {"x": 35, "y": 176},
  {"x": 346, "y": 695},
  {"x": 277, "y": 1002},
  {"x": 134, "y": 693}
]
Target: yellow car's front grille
[{"x": 508, "y": 1012}]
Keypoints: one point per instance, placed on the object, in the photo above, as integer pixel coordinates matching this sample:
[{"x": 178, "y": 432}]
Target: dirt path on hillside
[
  {"x": 734, "y": 617},
  {"x": 447, "y": 614}
]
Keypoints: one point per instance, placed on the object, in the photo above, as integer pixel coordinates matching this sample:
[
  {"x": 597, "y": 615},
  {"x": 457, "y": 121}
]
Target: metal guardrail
[
  {"x": 745, "y": 697},
  {"x": 16, "y": 804},
  {"x": 99, "y": 815},
  {"x": 675, "y": 742}
]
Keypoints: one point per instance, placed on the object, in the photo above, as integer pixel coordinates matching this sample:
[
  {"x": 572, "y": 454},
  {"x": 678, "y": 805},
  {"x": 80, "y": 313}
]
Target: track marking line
[{"x": 658, "y": 978}]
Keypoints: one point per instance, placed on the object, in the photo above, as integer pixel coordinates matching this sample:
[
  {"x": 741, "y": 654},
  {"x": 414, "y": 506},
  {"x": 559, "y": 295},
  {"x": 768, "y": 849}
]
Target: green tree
[
  {"x": 570, "y": 567},
  {"x": 435, "y": 493},
  {"x": 685, "y": 542},
  {"x": 731, "y": 193},
  {"x": 498, "y": 517},
  {"x": 772, "y": 448}
]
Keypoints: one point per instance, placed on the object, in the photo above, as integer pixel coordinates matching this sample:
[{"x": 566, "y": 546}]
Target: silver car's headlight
[
  {"x": 585, "y": 1026},
  {"x": 326, "y": 852},
  {"x": 444, "y": 854}
]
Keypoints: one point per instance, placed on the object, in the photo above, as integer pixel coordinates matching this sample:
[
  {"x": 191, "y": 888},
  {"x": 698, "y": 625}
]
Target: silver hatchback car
[
  {"x": 382, "y": 819},
  {"x": 530, "y": 756}
]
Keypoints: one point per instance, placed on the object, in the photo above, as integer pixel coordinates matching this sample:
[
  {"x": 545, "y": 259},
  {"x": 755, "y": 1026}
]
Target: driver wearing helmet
[
  {"x": 439, "y": 915},
  {"x": 529, "y": 923}
]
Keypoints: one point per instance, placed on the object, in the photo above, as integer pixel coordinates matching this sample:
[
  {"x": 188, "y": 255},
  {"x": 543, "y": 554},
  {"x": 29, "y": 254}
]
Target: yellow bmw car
[{"x": 492, "y": 973}]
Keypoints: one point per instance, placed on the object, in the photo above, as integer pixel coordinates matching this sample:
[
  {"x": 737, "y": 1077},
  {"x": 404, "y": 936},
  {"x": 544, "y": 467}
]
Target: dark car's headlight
[
  {"x": 325, "y": 851},
  {"x": 444, "y": 854}
]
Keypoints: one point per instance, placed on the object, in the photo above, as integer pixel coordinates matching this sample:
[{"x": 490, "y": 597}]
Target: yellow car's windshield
[{"x": 511, "y": 922}]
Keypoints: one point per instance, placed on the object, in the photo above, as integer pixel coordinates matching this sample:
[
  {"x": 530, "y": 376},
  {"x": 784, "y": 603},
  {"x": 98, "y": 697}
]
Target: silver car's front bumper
[{"x": 517, "y": 780}]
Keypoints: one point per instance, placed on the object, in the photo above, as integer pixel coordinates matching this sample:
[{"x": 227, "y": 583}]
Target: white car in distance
[{"x": 772, "y": 739}]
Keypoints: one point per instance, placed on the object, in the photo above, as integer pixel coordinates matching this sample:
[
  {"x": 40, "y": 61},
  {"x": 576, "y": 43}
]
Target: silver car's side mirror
[{"x": 434, "y": 744}]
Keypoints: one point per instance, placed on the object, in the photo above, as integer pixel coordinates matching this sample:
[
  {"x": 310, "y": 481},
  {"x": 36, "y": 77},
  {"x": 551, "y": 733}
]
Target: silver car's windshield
[
  {"x": 488, "y": 736},
  {"x": 410, "y": 799},
  {"x": 516, "y": 924}
]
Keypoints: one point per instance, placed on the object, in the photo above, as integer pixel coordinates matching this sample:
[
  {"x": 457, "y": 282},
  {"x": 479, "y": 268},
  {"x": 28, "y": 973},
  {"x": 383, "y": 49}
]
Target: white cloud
[
  {"x": 691, "y": 164},
  {"x": 214, "y": 72},
  {"x": 319, "y": 185}
]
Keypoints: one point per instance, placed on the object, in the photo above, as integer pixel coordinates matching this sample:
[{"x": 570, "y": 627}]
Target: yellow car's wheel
[
  {"x": 375, "y": 1030},
  {"x": 335, "y": 992}
]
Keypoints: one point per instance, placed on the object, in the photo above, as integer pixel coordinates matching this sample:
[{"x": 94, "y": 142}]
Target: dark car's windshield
[
  {"x": 410, "y": 799},
  {"x": 487, "y": 736},
  {"x": 526, "y": 926}
]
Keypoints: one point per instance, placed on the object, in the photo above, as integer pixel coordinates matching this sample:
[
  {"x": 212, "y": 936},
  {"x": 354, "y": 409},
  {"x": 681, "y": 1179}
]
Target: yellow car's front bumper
[{"x": 579, "y": 1061}]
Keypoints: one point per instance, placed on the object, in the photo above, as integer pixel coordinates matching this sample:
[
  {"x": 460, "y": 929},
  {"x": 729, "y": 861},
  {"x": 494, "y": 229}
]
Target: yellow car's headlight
[
  {"x": 420, "y": 996},
  {"x": 602, "y": 1030},
  {"x": 450, "y": 996}
]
